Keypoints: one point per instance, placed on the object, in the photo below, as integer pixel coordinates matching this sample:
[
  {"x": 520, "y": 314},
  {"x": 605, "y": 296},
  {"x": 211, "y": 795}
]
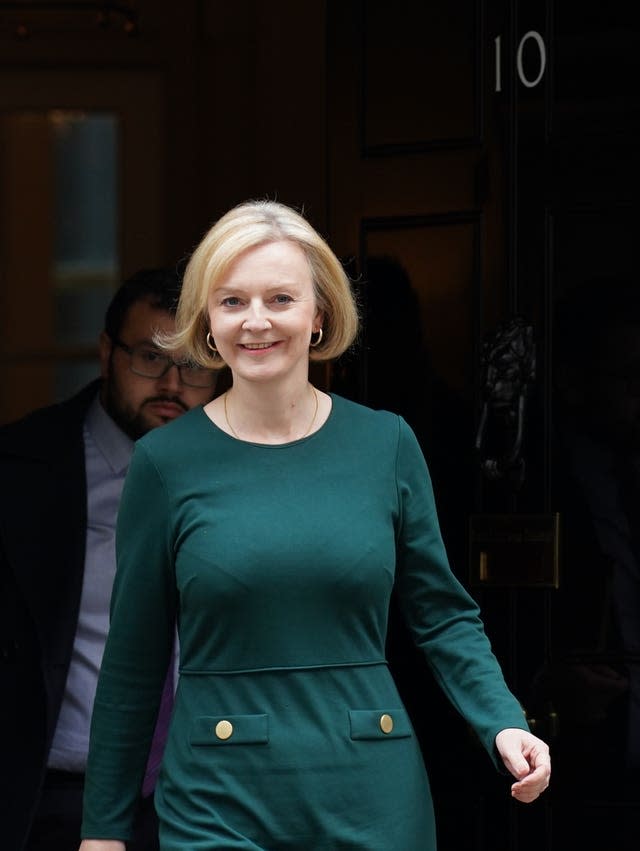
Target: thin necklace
[{"x": 313, "y": 418}]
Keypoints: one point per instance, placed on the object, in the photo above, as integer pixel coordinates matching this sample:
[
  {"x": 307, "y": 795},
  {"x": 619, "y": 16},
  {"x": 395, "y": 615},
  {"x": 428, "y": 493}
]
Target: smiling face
[{"x": 263, "y": 311}]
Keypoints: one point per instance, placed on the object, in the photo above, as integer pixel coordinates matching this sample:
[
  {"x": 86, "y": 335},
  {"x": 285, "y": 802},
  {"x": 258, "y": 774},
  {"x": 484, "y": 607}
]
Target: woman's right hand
[{"x": 101, "y": 845}]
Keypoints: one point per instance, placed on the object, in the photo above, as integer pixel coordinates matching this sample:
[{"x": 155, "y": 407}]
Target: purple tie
[{"x": 159, "y": 735}]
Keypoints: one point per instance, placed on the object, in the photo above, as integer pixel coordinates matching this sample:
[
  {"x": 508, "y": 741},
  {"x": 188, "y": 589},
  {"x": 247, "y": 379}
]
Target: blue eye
[
  {"x": 282, "y": 298},
  {"x": 230, "y": 301}
]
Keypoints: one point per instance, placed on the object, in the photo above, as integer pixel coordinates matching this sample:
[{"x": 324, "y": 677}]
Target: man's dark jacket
[{"x": 43, "y": 519}]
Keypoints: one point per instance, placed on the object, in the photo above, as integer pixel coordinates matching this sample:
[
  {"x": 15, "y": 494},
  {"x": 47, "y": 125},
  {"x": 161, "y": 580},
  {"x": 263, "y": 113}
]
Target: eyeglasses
[{"x": 148, "y": 362}]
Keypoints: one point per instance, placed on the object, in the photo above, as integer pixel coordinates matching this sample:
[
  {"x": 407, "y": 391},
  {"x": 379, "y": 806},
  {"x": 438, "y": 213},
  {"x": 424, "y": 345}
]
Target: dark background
[{"x": 469, "y": 162}]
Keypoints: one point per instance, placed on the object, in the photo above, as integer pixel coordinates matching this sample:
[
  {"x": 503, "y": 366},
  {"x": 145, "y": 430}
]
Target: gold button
[
  {"x": 224, "y": 729},
  {"x": 386, "y": 723}
]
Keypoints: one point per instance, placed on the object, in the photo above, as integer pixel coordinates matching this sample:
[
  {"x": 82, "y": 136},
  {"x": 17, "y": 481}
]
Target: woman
[{"x": 273, "y": 524}]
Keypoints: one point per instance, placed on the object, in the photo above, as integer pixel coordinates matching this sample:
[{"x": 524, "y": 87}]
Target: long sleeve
[
  {"x": 443, "y": 618},
  {"x": 137, "y": 653}
]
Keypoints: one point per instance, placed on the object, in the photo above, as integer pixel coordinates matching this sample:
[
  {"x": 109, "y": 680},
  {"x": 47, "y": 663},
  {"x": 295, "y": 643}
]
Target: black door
[{"x": 482, "y": 168}]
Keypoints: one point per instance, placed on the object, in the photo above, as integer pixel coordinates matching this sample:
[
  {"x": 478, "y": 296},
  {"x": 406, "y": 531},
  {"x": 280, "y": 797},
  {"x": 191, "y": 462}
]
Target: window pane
[{"x": 85, "y": 263}]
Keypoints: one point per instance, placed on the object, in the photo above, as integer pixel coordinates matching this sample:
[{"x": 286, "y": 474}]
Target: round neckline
[{"x": 296, "y": 442}]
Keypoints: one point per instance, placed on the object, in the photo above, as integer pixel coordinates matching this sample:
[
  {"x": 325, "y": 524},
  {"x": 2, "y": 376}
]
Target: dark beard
[{"x": 133, "y": 423}]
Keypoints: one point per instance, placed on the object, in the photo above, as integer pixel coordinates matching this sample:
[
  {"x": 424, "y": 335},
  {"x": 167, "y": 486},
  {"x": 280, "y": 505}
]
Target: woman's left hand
[{"x": 527, "y": 758}]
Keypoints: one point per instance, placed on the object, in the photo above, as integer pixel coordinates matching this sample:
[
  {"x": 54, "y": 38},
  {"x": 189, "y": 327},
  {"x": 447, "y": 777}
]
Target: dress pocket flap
[
  {"x": 230, "y": 730},
  {"x": 379, "y": 723}
]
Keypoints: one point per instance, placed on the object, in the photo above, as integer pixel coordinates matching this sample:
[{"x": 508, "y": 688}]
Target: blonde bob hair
[{"x": 246, "y": 226}]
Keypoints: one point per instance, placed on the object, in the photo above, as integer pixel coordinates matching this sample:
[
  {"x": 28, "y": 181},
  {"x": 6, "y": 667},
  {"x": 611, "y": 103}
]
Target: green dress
[{"x": 278, "y": 563}]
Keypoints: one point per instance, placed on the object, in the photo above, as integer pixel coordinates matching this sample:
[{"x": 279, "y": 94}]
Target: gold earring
[
  {"x": 209, "y": 344},
  {"x": 317, "y": 342}
]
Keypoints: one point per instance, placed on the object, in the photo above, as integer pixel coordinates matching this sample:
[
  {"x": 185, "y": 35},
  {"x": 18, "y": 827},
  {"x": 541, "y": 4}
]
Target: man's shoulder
[{"x": 48, "y": 426}]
